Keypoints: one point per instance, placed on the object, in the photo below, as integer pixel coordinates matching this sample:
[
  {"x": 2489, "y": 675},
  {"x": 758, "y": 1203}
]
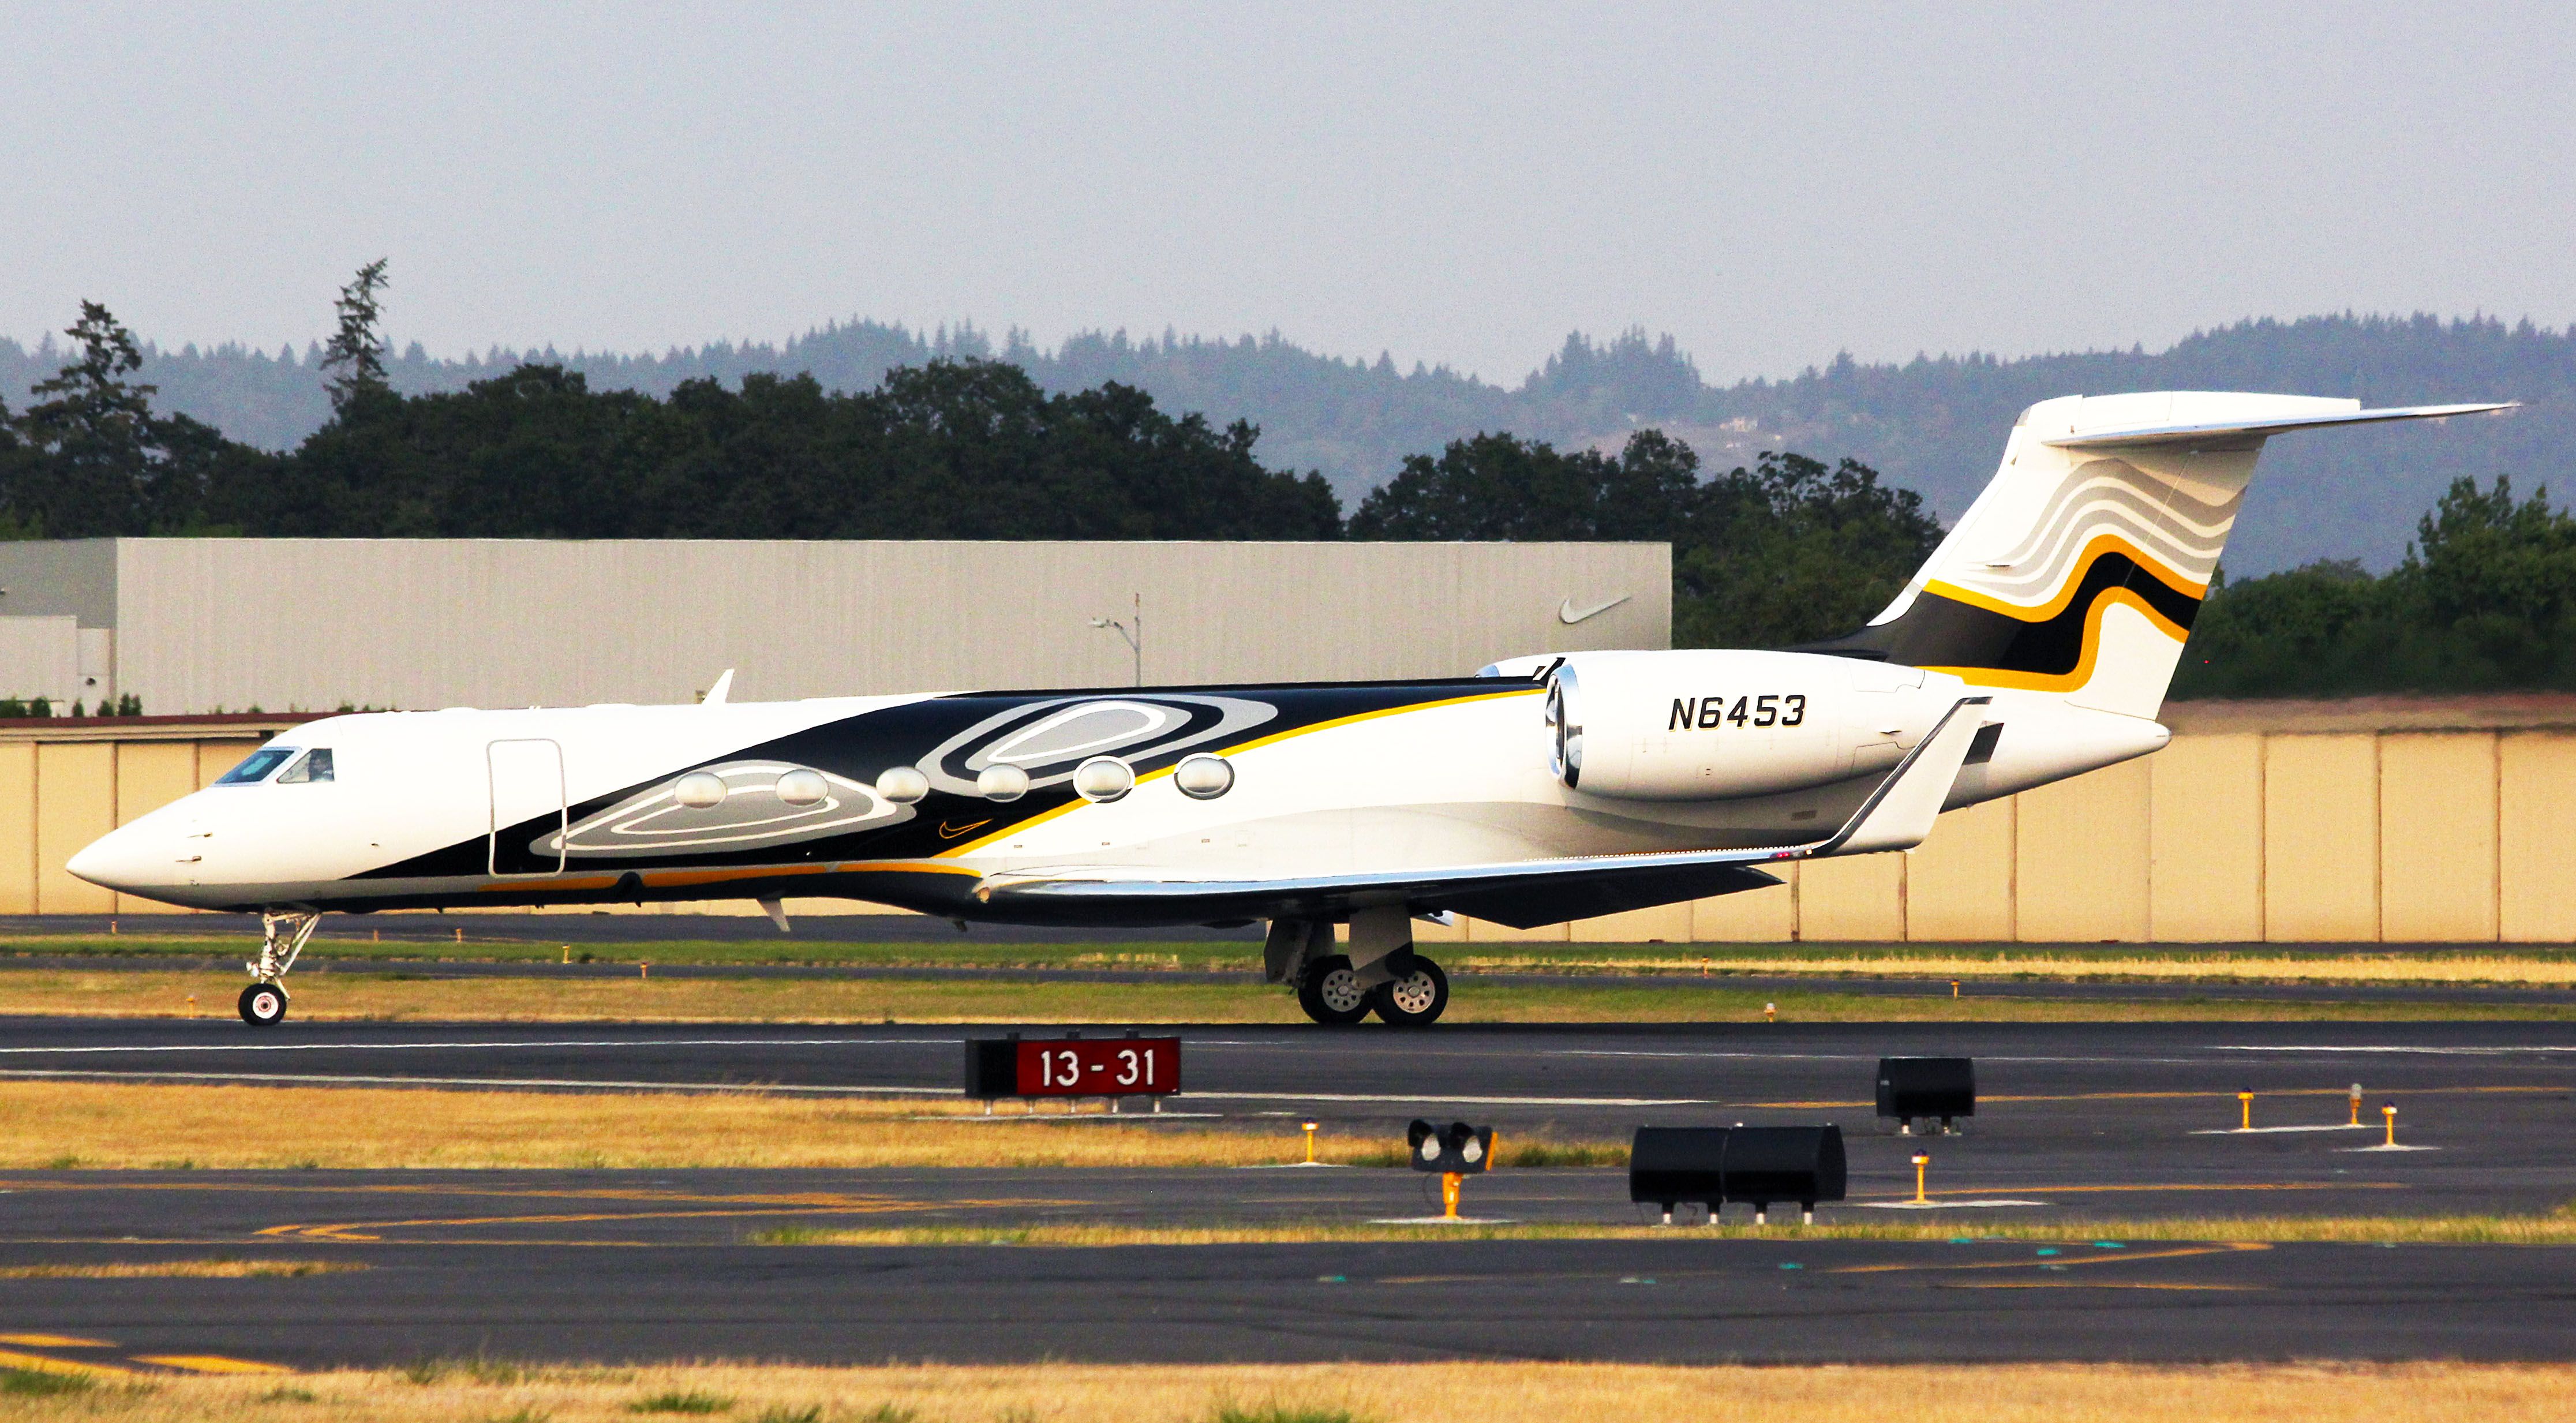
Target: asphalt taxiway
[
  {"x": 1676, "y": 1300},
  {"x": 2085, "y": 1123}
]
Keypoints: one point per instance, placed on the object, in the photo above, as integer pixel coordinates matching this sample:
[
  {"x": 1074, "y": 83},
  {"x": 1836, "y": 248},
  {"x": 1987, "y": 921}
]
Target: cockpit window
[
  {"x": 316, "y": 766},
  {"x": 261, "y": 762}
]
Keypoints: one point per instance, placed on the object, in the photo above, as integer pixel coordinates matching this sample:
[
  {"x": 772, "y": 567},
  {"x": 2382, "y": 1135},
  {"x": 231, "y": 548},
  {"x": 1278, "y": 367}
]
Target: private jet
[{"x": 2036, "y": 644}]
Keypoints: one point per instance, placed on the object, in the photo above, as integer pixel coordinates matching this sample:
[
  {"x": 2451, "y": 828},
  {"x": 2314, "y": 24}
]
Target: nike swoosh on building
[{"x": 1566, "y": 614}]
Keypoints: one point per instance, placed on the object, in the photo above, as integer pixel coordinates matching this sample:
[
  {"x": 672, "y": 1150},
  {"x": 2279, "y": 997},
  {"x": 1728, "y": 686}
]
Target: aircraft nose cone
[{"x": 122, "y": 860}]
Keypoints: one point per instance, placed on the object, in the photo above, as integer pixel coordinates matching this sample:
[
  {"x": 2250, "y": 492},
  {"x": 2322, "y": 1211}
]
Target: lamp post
[{"x": 1131, "y": 632}]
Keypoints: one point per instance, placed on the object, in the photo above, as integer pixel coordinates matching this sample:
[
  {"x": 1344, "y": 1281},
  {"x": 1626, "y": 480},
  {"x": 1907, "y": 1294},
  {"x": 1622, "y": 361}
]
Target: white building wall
[
  {"x": 204, "y": 624},
  {"x": 40, "y": 657}
]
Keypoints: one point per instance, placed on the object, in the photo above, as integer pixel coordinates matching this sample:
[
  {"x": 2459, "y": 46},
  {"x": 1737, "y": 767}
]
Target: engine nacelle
[{"x": 1717, "y": 725}]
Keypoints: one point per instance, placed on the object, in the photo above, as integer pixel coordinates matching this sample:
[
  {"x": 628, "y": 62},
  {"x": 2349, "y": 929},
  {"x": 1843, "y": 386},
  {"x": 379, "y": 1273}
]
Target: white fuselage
[{"x": 464, "y": 807}]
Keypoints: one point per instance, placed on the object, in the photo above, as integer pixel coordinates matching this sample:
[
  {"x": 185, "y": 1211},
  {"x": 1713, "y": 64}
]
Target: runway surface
[
  {"x": 2090, "y": 1123},
  {"x": 1679, "y": 1301}
]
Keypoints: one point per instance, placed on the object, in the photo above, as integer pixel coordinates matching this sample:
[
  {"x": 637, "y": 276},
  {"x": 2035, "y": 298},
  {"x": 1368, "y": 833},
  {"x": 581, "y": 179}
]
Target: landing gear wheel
[
  {"x": 1415, "y": 1000},
  {"x": 1330, "y": 992},
  {"x": 263, "y": 1005}
]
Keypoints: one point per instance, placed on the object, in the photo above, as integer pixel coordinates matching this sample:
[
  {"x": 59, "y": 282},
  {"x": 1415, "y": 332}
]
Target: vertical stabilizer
[{"x": 2080, "y": 569}]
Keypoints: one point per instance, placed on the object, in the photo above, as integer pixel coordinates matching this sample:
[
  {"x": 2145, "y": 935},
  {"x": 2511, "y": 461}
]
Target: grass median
[
  {"x": 2524, "y": 966},
  {"x": 439, "y": 1391},
  {"x": 94, "y": 1125},
  {"x": 345, "y": 995}
]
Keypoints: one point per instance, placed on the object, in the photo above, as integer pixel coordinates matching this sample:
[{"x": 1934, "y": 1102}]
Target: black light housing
[
  {"x": 1911, "y": 1087},
  {"x": 1756, "y": 1165},
  {"x": 1454, "y": 1150}
]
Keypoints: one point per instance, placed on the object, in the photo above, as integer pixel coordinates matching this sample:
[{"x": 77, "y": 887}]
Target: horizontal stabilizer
[{"x": 2201, "y": 433}]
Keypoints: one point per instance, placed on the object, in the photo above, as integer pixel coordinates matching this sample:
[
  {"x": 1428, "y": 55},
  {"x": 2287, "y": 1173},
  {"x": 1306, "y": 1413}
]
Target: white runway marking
[
  {"x": 1836, "y": 1056},
  {"x": 1452, "y": 1101},
  {"x": 1664, "y": 1052},
  {"x": 417, "y": 1047},
  {"x": 2260, "y": 1131},
  {"x": 2423, "y": 1051},
  {"x": 342, "y": 1079},
  {"x": 1939, "y": 1205}
]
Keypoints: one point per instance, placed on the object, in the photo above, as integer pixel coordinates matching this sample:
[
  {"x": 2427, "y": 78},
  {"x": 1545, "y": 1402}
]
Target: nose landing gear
[
  {"x": 263, "y": 1004},
  {"x": 283, "y": 936}
]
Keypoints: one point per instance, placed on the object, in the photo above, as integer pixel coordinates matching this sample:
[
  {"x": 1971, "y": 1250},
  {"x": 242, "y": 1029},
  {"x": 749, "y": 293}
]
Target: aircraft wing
[{"x": 1898, "y": 814}]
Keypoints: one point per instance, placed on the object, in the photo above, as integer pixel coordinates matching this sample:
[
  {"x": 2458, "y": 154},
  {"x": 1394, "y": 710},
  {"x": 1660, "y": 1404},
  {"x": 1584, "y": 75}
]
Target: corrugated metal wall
[
  {"x": 58, "y": 794},
  {"x": 314, "y": 623},
  {"x": 2457, "y": 835},
  {"x": 2464, "y": 835}
]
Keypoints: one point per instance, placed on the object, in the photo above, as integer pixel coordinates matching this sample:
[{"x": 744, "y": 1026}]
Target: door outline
[{"x": 492, "y": 802}]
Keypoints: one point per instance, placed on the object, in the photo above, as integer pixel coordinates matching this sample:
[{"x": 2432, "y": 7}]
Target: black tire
[
  {"x": 1329, "y": 990},
  {"x": 1414, "y": 1001},
  {"x": 263, "y": 1005}
]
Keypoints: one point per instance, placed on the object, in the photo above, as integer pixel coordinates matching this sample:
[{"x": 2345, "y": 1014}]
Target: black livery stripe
[
  {"x": 862, "y": 747},
  {"x": 1939, "y": 631}
]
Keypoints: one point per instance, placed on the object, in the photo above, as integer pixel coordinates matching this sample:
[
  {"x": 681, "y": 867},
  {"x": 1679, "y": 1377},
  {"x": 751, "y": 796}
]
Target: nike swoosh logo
[
  {"x": 1566, "y": 614},
  {"x": 952, "y": 832}
]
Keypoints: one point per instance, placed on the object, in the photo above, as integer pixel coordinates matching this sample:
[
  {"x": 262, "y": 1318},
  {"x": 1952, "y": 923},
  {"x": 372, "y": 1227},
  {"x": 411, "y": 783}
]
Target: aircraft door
[{"x": 527, "y": 785}]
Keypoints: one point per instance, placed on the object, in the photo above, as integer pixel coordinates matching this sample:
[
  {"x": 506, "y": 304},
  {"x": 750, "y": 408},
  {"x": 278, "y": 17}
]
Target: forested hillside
[
  {"x": 1778, "y": 551},
  {"x": 1934, "y": 425}
]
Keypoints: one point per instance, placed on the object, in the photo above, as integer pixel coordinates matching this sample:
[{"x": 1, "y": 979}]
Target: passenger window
[
  {"x": 316, "y": 766},
  {"x": 257, "y": 767}
]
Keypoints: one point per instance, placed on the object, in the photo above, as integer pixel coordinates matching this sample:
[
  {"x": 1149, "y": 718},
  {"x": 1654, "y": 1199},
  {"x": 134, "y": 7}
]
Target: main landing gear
[
  {"x": 263, "y": 1004},
  {"x": 1331, "y": 992},
  {"x": 1403, "y": 988},
  {"x": 1415, "y": 1000}
]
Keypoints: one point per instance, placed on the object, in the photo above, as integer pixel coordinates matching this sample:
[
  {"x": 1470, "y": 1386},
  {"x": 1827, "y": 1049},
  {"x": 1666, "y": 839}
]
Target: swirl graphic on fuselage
[
  {"x": 1048, "y": 739},
  {"x": 751, "y": 816}
]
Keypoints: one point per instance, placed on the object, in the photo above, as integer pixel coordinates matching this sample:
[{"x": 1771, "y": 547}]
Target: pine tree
[
  {"x": 356, "y": 355},
  {"x": 97, "y": 444}
]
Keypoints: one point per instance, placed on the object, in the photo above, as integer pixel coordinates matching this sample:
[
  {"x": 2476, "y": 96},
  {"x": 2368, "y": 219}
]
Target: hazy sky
[{"x": 1463, "y": 184}]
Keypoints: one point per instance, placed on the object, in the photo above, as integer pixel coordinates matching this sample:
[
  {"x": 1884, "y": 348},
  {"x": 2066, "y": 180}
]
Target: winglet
[
  {"x": 1899, "y": 814},
  {"x": 715, "y": 696}
]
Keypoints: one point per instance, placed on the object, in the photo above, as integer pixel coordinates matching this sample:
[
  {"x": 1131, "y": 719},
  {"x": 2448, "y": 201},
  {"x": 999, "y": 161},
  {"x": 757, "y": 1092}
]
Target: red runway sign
[{"x": 1099, "y": 1067}]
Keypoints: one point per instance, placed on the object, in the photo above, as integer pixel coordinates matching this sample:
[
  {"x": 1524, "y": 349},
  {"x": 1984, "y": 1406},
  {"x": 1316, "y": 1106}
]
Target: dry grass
[
  {"x": 1353, "y": 1393},
  {"x": 2213, "y": 967},
  {"x": 2556, "y": 1229},
  {"x": 2511, "y": 964},
  {"x": 87, "y": 1125},
  {"x": 164, "y": 993},
  {"x": 182, "y": 1270}
]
